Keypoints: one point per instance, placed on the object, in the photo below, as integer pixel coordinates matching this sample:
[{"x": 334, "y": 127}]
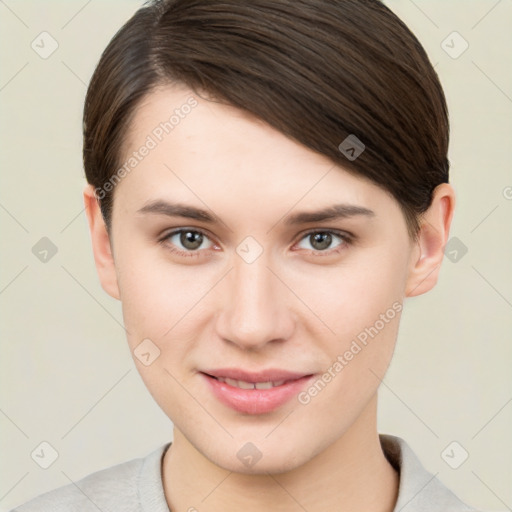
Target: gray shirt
[{"x": 136, "y": 486}]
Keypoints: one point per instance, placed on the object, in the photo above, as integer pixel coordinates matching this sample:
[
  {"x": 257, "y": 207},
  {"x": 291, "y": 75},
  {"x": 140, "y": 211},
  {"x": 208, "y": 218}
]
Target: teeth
[
  {"x": 250, "y": 385},
  {"x": 264, "y": 385},
  {"x": 244, "y": 385},
  {"x": 232, "y": 382}
]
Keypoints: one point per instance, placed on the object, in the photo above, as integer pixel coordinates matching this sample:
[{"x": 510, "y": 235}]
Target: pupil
[
  {"x": 324, "y": 240},
  {"x": 191, "y": 239}
]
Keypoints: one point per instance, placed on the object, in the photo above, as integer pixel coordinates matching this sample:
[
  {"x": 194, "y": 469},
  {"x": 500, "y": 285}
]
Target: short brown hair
[{"x": 316, "y": 70}]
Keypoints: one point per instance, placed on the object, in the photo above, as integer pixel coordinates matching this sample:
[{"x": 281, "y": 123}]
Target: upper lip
[{"x": 269, "y": 375}]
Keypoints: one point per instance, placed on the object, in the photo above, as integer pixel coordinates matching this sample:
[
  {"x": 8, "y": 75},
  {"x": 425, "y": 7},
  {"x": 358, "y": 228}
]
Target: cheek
[
  {"x": 362, "y": 305},
  {"x": 355, "y": 295},
  {"x": 156, "y": 294},
  {"x": 157, "y": 303},
  {"x": 364, "y": 312}
]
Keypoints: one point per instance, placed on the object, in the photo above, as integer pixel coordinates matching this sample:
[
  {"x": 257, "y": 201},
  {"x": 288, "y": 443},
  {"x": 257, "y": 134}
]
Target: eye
[
  {"x": 322, "y": 241},
  {"x": 187, "y": 241}
]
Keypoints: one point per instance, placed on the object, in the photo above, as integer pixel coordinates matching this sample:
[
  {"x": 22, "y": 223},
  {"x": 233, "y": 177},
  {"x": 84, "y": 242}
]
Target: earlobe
[
  {"x": 432, "y": 237},
  {"x": 101, "y": 245}
]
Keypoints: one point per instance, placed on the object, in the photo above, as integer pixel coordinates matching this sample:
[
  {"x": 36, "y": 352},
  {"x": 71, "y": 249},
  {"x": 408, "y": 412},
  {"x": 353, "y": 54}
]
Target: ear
[
  {"x": 432, "y": 237},
  {"x": 101, "y": 246}
]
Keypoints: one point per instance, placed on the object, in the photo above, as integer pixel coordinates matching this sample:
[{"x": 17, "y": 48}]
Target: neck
[{"x": 352, "y": 474}]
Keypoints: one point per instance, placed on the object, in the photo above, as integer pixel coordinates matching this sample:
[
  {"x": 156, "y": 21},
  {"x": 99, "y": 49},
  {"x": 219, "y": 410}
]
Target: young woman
[{"x": 268, "y": 181}]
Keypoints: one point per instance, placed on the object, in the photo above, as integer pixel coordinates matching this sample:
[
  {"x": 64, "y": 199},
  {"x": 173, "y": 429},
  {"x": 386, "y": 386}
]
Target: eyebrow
[
  {"x": 160, "y": 207},
  {"x": 336, "y": 211}
]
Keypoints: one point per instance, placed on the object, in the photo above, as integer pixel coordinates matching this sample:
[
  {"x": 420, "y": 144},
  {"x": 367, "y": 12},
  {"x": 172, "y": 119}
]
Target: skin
[{"x": 296, "y": 307}]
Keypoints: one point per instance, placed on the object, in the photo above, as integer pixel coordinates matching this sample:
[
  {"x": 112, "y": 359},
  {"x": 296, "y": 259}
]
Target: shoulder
[
  {"x": 98, "y": 491},
  {"x": 114, "y": 488}
]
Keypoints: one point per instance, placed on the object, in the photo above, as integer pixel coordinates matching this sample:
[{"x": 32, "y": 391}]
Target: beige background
[{"x": 66, "y": 374}]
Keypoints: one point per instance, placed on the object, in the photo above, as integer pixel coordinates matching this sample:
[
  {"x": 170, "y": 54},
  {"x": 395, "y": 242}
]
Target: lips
[{"x": 254, "y": 392}]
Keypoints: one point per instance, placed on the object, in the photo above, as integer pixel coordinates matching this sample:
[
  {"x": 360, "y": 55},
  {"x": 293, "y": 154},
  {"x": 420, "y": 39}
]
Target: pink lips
[{"x": 285, "y": 385}]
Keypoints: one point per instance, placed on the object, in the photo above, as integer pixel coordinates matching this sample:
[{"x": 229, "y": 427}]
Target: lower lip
[{"x": 256, "y": 401}]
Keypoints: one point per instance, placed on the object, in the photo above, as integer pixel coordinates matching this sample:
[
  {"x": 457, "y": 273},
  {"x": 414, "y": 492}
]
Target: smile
[
  {"x": 250, "y": 385},
  {"x": 255, "y": 393}
]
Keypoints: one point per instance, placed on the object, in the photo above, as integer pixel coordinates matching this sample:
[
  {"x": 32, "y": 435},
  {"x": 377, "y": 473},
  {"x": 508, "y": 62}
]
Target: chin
[
  {"x": 259, "y": 456},
  {"x": 271, "y": 463}
]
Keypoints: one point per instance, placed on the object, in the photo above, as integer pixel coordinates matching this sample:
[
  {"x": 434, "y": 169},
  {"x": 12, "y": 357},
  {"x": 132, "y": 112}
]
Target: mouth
[
  {"x": 242, "y": 384},
  {"x": 255, "y": 393}
]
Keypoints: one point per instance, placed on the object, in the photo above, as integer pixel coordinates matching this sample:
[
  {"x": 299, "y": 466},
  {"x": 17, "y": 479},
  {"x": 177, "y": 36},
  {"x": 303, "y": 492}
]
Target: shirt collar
[{"x": 419, "y": 490}]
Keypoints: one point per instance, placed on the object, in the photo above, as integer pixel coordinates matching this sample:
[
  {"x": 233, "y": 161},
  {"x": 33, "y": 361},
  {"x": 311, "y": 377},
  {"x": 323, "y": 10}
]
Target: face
[{"x": 252, "y": 319}]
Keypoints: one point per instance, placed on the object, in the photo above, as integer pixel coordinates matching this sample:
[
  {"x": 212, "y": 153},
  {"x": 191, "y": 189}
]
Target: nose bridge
[{"x": 255, "y": 312}]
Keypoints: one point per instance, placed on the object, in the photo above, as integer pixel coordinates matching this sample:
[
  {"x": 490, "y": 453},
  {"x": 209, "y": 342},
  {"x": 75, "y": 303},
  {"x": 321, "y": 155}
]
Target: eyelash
[{"x": 346, "y": 238}]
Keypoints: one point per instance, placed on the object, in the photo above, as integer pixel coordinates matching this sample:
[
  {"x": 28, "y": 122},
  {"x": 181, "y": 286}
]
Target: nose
[{"x": 256, "y": 311}]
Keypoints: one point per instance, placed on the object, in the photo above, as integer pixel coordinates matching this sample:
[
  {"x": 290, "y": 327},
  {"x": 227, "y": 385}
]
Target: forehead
[{"x": 189, "y": 148}]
